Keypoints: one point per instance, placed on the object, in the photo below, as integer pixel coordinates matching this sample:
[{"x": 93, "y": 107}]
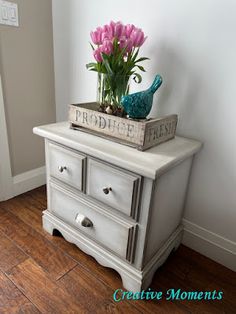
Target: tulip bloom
[
  {"x": 96, "y": 36},
  {"x": 107, "y": 47},
  {"x": 97, "y": 54},
  {"x": 106, "y": 33},
  {"x": 115, "y": 49},
  {"x": 128, "y": 30},
  {"x": 137, "y": 36},
  {"x": 126, "y": 43},
  {"x": 112, "y": 28},
  {"x": 126, "y": 36},
  {"x": 119, "y": 30}
]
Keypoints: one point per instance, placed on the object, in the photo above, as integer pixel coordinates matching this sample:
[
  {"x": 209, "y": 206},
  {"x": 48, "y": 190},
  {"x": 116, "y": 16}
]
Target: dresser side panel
[{"x": 167, "y": 207}]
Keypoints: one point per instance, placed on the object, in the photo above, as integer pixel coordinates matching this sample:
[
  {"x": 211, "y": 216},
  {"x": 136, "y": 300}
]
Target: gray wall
[{"x": 26, "y": 60}]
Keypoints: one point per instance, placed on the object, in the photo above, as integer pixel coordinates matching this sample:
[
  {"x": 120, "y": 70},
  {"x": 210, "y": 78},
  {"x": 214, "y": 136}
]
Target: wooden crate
[{"x": 141, "y": 134}]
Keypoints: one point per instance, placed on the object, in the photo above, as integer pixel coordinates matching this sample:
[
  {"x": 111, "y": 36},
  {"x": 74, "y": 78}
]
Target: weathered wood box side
[{"x": 141, "y": 134}]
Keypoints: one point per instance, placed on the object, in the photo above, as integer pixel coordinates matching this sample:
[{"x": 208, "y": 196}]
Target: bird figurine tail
[{"x": 156, "y": 83}]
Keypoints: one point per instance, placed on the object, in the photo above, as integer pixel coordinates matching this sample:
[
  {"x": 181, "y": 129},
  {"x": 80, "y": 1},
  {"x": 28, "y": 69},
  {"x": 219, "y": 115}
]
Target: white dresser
[{"x": 122, "y": 206}]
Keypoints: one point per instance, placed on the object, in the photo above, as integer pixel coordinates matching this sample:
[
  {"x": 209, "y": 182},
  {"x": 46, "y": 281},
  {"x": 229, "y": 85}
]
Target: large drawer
[
  {"x": 111, "y": 232},
  {"x": 66, "y": 165},
  {"x": 112, "y": 186}
]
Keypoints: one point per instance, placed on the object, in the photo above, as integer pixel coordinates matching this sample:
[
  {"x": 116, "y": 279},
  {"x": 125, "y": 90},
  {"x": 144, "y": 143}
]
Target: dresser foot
[
  {"x": 136, "y": 284},
  {"x": 142, "y": 280},
  {"x": 48, "y": 226},
  {"x": 130, "y": 283},
  {"x": 161, "y": 256}
]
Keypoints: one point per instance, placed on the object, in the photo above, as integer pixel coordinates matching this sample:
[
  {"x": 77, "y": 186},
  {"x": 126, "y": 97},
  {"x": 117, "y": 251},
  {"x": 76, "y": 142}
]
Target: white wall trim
[
  {"x": 210, "y": 244},
  {"x": 5, "y": 163},
  {"x": 29, "y": 180}
]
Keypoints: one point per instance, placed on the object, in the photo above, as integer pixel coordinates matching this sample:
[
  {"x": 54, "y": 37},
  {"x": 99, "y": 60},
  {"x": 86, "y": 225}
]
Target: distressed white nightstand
[{"x": 122, "y": 206}]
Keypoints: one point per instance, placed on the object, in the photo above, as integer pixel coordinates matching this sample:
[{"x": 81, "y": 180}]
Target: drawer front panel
[
  {"x": 116, "y": 188},
  {"x": 112, "y": 233},
  {"x": 66, "y": 165}
]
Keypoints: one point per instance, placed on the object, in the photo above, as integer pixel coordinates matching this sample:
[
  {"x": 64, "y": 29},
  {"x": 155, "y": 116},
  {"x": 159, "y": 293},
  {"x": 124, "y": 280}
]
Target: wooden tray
[{"x": 141, "y": 134}]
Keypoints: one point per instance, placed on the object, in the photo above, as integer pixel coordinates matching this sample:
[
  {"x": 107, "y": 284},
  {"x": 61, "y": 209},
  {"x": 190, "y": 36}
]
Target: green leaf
[
  {"x": 120, "y": 55},
  {"x": 92, "y": 46},
  {"x": 141, "y": 68},
  {"x": 91, "y": 65},
  {"x": 137, "y": 78},
  {"x": 135, "y": 55},
  {"x": 141, "y": 59},
  {"x": 106, "y": 63},
  {"x": 95, "y": 70}
]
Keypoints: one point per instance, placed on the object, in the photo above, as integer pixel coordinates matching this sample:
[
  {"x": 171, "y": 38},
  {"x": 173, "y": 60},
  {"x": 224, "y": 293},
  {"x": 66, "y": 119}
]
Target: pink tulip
[
  {"x": 106, "y": 29},
  {"x": 122, "y": 42},
  {"x": 112, "y": 27},
  {"x": 130, "y": 45},
  {"x": 105, "y": 36},
  {"x": 107, "y": 33},
  {"x": 126, "y": 43},
  {"x": 119, "y": 30},
  {"x": 107, "y": 47},
  {"x": 137, "y": 36},
  {"x": 128, "y": 37},
  {"x": 128, "y": 29},
  {"x": 97, "y": 54},
  {"x": 96, "y": 36}
]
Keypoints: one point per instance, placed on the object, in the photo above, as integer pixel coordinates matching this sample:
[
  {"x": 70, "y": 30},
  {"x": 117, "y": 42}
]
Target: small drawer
[
  {"x": 114, "y": 187},
  {"x": 109, "y": 231},
  {"x": 66, "y": 165}
]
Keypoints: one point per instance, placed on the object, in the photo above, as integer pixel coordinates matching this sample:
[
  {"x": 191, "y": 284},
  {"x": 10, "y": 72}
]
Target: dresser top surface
[{"x": 149, "y": 163}]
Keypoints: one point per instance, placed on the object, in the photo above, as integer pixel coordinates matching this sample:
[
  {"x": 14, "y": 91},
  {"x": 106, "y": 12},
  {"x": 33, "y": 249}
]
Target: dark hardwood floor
[{"x": 40, "y": 273}]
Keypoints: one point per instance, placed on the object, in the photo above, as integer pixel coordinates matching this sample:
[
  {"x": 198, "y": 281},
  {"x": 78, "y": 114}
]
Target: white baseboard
[
  {"x": 210, "y": 244},
  {"x": 29, "y": 180}
]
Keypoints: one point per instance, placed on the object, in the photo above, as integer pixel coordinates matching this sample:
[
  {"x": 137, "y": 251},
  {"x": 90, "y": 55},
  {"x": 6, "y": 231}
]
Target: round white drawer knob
[{"x": 61, "y": 168}]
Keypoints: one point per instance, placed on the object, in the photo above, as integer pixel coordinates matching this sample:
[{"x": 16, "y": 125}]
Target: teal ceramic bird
[{"x": 139, "y": 105}]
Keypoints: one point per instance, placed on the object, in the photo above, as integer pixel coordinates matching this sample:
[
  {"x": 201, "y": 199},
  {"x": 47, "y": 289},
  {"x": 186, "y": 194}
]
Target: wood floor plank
[
  {"x": 47, "y": 295},
  {"x": 39, "y": 195},
  {"x": 52, "y": 259},
  {"x": 91, "y": 292},
  {"x": 28, "y": 210},
  {"x": 10, "y": 254},
  {"x": 99, "y": 297},
  {"x": 201, "y": 263},
  {"x": 12, "y": 301},
  {"x": 186, "y": 268},
  {"x": 165, "y": 281}
]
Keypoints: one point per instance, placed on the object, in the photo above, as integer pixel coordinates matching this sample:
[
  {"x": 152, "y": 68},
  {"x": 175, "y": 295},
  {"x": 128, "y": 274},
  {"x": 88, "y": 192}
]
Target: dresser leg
[
  {"x": 131, "y": 283},
  {"x": 48, "y": 226}
]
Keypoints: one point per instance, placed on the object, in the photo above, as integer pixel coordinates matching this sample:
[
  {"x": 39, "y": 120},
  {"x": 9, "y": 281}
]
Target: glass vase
[{"x": 110, "y": 89}]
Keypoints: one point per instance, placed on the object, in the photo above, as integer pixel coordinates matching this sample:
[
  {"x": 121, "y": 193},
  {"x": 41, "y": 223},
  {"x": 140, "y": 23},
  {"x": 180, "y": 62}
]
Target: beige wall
[{"x": 26, "y": 59}]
